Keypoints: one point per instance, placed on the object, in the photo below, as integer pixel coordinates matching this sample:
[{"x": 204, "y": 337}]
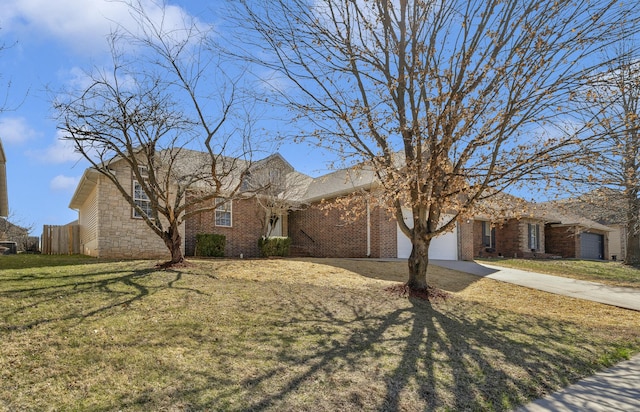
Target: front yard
[{"x": 84, "y": 334}]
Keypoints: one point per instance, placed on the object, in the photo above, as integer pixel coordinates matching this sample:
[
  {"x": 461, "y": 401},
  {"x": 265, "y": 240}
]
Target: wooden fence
[{"x": 61, "y": 240}]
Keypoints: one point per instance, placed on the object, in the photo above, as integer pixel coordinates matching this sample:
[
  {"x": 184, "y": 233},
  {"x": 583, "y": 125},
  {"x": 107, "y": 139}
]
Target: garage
[
  {"x": 591, "y": 246},
  {"x": 443, "y": 247}
]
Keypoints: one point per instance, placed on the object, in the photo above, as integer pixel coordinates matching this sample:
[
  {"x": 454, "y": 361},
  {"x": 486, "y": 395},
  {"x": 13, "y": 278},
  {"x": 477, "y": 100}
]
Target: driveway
[{"x": 627, "y": 298}]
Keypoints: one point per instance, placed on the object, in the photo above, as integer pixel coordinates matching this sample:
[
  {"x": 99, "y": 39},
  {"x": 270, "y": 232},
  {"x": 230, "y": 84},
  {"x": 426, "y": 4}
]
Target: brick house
[
  {"x": 300, "y": 207},
  {"x": 572, "y": 236},
  {"x": 539, "y": 231},
  {"x": 110, "y": 229}
]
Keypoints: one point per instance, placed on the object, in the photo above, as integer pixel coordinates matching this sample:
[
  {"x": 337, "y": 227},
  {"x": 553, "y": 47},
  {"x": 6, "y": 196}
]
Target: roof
[
  {"x": 557, "y": 216},
  {"x": 505, "y": 206},
  {"x": 4, "y": 198},
  {"x": 604, "y": 205},
  {"x": 88, "y": 182},
  {"x": 340, "y": 182}
]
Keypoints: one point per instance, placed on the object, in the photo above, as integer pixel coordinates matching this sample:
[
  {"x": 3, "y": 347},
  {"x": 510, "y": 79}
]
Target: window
[
  {"x": 143, "y": 171},
  {"x": 534, "y": 236},
  {"x": 488, "y": 235},
  {"x": 223, "y": 212},
  {"x": 141, "y": 199}
]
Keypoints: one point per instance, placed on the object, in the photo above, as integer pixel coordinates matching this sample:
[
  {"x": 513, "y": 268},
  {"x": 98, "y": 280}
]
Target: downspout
[{"x": 368, "y": 229}]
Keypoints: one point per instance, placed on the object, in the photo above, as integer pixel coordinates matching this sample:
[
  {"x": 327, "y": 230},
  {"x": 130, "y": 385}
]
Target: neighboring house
[
  {"x": 604, "y": 206},
  {"x": 510, "y": 227},
  {"x": 571, "y": 236},
  {"x": 275, "y": 200},
  {"x": 4, "y": 202},
  {"x": 10, "y": 233}
]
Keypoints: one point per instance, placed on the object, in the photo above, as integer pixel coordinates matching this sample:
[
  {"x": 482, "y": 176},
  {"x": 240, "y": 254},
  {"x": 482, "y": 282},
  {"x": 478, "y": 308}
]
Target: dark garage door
[{"x": 591, "y": 246}]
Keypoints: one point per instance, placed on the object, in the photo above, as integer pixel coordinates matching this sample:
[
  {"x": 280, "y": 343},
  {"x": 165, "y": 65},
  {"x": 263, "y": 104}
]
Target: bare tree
[
  {"x": 277, "y": 192},
  {"x": 611, "y": 102},
  {"x": 165, "y": 93},
  {"x": 444, "y": 100}
]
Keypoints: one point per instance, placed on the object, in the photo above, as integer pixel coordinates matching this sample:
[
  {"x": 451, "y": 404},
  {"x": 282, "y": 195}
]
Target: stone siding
[{"x": 120, "y": 235}]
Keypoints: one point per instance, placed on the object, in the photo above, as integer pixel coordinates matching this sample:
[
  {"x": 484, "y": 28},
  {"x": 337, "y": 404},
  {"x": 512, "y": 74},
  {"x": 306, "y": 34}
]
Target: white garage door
[{"x": 444, "y": 247}]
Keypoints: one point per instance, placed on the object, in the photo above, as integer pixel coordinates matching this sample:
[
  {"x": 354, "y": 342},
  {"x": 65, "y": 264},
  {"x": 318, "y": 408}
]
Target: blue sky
[{"x": 49, "y": 44}]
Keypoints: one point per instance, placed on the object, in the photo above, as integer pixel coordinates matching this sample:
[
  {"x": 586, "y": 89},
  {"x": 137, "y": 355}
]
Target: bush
[
  {"x": 210, "y": 245},
  {"x": 274, "y": 246}
]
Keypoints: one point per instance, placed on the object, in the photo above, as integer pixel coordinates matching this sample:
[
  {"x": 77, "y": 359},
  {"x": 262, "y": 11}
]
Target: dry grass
[{"x": 299, "y": 335}]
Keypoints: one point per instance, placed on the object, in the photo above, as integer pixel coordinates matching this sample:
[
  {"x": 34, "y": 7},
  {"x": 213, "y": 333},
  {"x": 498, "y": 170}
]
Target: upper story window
[
  {"x": 141, "y": 199},
  {"x": 144, "y": 172},
  {"x": 223, "y": 212}
]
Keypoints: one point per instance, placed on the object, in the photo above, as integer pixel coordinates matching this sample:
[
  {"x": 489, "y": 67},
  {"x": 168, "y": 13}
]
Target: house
[
  {"x": 16, "y": 237},
  {"x": 514, "y": 227},
  {"x": 110, "y": 228},
  {"x": 4, "y": 202},
  {"x": 604, "y": 206},
  {"x": 508, "y": 226},
  {"x": 274, "y": 199}
]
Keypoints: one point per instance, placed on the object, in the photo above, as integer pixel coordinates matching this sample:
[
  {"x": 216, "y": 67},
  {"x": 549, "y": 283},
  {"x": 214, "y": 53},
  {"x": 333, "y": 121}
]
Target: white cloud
[
  {"x": 15, "y": 130},
  {"x": 61, "y": 151},
  {"x": 80, "y": 24},
  {"x": 64, "y": 183}
]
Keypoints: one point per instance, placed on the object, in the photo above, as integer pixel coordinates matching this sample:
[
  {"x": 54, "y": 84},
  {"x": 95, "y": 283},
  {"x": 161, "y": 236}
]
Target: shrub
[
  {"x": 210, "y": 245},
  {"x": 274, "y": 246}
]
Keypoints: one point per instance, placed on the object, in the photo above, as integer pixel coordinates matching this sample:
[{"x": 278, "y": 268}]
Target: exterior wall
[
  {"x": 565, "y": 241},
  {"x": 384, "y": 234},
  {"x": 322, "y": 232},
  {"x": 120, "y": 235},
  {"x": 562, "y": 241},
  {"x": 241, "y": 237},
  {"x": 466, "y": 239},
  {"x": 617, "y": 242},
  {"x": 511, "y": 240},
  {"x": 88, "y": 222}
]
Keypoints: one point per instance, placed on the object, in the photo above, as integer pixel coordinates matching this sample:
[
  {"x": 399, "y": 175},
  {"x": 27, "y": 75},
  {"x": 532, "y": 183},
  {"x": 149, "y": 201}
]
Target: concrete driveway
[{"x": 628, "y": 298}]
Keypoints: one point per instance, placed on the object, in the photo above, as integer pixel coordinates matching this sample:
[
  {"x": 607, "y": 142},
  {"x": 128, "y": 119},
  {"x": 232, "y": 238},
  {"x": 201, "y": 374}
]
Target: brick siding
[
  {"x": 241, "y": 238},
  {"x": 511, "y": 240},
  {"x": 322, "y": 232}
]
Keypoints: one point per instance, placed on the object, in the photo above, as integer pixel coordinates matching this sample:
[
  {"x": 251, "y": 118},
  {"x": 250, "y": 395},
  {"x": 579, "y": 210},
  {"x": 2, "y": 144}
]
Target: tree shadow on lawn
[
  {"x": 398, "y": 271},
  {"x": 93, "y": 294},
  {"x": 454, "y": 356}
]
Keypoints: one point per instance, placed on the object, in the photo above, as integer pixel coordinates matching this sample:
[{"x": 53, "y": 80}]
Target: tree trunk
[
  {"x": 632, "y": 255},
  {"x": 418, "y": 263},
  {"x": 173, "y": 241}
]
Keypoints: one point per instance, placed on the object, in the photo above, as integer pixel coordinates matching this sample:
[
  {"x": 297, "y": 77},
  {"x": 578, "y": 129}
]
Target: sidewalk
[{"x": 614, "y": 389}]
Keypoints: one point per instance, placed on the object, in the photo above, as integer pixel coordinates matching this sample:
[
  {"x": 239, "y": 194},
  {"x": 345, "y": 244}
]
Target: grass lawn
[
  {"x": 610, "y": 273},
  {"x": 286, "y": 335}
]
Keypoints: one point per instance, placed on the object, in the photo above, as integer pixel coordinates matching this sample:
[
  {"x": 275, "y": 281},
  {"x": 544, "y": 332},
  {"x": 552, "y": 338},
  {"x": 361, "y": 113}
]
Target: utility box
[{"x": 8, "y": 248}]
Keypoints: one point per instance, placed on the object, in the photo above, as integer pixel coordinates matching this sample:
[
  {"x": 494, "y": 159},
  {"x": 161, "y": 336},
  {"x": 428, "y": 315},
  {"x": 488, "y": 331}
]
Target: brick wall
[
  {"x": 466, "y": 234},
  {"x": 511, "y": 239},
  {"x": 322, "y": 232},
  {"x": 562, "y": 241},
  {"x": 241, "y": 238},
  {"x": 384, "y": 234}
]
